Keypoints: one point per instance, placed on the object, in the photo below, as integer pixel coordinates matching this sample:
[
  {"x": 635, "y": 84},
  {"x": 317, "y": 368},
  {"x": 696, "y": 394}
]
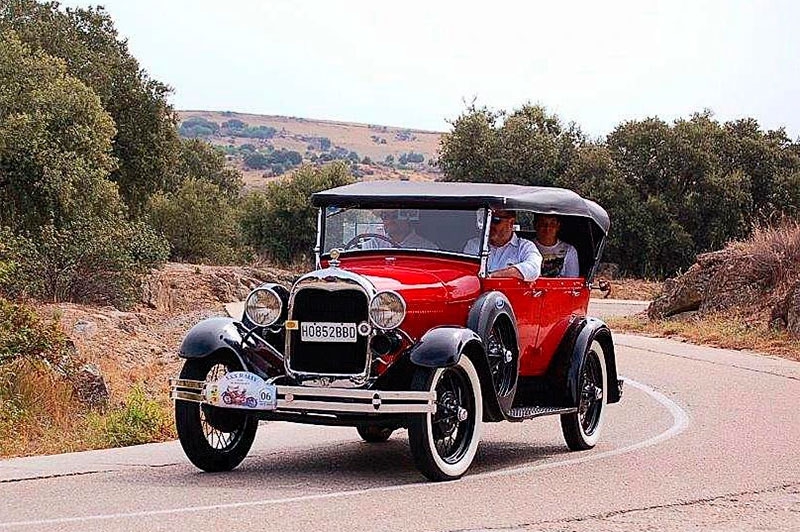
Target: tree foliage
[
  {"x": 281, "y": 222},
  {"x": 672, "y": 190},
  {"x": 145, "y": 144},
  {"x": 199, "y": 221},
  {"x": 55, "y": 142}
]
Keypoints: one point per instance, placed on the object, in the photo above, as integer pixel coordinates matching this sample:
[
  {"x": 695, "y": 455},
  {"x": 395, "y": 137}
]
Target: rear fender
[{"x": 564, "y": 371}]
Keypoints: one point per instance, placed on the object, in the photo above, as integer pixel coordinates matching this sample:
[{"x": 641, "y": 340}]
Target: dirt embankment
[
  {"x": 756, "y": 282},
  {"x": 141, "y": 345}
]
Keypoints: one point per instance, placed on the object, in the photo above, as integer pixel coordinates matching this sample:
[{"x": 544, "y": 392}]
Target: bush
[
  {"x": 256, "y": 160},
  {"x": 91, "y": 261},
  {"x": 199, "y": 221},
  {"x": 281, "y": 222},
  {"x": 25, "y": 335},
  {"x": 138, "y": 420},
  {"x": 197, "y": 126}
]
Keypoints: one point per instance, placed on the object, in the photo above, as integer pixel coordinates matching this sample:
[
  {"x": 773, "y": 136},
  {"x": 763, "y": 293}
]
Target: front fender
[
  {"x": 210, "y": 336},
  {"x": 565, "y": 369},
  {"x": 442, "y": 346}
]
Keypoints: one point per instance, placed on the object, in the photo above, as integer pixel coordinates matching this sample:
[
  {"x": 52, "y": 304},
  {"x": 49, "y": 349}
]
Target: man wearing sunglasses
[{"x": 509, "y": 255}]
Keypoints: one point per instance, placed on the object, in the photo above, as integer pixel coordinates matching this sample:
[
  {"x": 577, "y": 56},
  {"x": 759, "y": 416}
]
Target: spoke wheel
[
  {"x": 503, "y": 360},
  {"x": 214, "y": 439},
  {"x": 444, "y": 443},
  {"x": 582, "y": 428}
]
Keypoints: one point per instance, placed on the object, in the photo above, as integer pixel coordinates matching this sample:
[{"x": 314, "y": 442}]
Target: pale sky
[{"x": 414, "y": 63}]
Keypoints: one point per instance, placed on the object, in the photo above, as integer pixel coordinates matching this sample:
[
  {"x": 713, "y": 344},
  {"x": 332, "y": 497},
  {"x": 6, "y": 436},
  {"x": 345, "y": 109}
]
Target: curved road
[{"x": 704, "y": 439}]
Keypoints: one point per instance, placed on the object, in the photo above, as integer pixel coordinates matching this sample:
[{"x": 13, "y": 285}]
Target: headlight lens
[
  {"x": 263, "y": 307},
  {"x": 387, "y": 310}
]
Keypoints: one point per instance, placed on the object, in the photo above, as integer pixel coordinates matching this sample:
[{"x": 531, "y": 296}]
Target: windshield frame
[{"x": 482, "y": 256}]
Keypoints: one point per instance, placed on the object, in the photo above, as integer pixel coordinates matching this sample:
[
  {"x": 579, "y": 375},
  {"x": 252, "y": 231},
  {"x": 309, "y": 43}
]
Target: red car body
[{"x": 394, "y": 330}]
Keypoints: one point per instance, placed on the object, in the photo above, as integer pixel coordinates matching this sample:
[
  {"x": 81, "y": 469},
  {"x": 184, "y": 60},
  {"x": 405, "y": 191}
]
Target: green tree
[
  {"x": 528, "y": 146},
  {"x": 50, "y": 173},
  {"x": 281, "y": 222},
  {"x": 66, "y": 235},
  {"x": 199, "y": 221},
  {"x": 200, "y": 160},
  {"x": 145, "y": 144}
]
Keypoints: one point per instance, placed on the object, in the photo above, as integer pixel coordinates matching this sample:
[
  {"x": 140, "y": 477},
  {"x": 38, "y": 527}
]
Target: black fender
[
  {"x": 490, "y": 307},
  {"x": 444, "y": 346},
  {"x": 210, "y": 336},
  {"x": 565, "y": 368}
]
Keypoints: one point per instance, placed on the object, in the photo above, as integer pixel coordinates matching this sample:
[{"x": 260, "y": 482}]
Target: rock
[
  {"x": 89, "y": 385},
  {"x": 717, "y": 281},
  {"x": 86, "y": 328},
  {"x": 681, "y": 294}
]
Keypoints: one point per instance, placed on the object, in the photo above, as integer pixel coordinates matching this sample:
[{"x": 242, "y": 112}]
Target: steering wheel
[{"x": 351, "y": 243}]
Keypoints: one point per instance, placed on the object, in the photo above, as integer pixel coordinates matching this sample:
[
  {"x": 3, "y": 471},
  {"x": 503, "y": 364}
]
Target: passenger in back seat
[{"x": 559, "y": 259}]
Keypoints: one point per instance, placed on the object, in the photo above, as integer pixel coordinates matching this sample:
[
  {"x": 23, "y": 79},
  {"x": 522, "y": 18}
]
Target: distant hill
[{"x": 266, "y": 147}]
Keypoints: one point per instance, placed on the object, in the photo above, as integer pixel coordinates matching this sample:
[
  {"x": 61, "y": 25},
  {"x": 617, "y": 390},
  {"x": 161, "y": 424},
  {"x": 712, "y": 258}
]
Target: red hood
[{"x": 434, "y": 280}]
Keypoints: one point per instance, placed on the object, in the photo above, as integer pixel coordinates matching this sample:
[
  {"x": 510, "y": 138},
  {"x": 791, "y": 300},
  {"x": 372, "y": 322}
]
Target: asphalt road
[{"x": 704, "y": 439}]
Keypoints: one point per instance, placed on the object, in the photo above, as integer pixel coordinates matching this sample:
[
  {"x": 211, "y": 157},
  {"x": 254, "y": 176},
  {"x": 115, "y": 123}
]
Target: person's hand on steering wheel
[{"x": 353, "y": 241}]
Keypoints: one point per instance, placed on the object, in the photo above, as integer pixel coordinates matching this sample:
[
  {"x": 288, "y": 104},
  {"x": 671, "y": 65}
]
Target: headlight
[
  {"x": 263, "y": 307},
  {"x": 387, "y": 310}
]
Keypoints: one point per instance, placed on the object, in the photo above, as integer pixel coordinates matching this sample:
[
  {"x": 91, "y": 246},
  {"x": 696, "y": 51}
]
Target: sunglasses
[{"x": 498, "y": 219}]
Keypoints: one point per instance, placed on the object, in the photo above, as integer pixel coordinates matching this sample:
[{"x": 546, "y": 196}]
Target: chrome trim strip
[
  {"x": 187, "y": 396},
  {"x": 347, "y": 393},
  {"x": 186, "y": 383},
  {"x": 363, "y": 408}
]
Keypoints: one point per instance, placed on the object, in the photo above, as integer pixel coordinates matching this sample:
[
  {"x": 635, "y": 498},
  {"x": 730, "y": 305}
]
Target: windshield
[{"x": 420, "y": 229}]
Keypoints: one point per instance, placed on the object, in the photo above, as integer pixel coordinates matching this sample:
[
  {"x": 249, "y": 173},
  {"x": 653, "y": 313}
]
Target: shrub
[
  {"x": 25, "y": 335},
  {"x": 94, "y": 260},
  {"x": 256, "y": 160},
  {"x": 199, "y": 221},
  {"x": 197, "y": 126},
  {"x": 281, "y": 222},
  {"x": 138, "y": 420}
]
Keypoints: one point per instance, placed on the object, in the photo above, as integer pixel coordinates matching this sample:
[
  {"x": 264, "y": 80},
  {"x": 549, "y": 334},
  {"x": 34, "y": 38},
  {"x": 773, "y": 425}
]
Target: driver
[{"x": 399, "y": 230}]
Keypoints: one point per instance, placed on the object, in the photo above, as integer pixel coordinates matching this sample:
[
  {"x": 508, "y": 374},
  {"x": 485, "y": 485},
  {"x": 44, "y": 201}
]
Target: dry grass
[
  {"x": 39, "y": 414},
  {"x": 636, "y": 289},
  {"x": 774, "y": 253},
  {"x": 724, "y": 331}
]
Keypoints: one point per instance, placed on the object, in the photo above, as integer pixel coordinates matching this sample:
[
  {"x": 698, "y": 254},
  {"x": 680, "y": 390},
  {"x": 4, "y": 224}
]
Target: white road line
[{"x": 680, "y": 421}]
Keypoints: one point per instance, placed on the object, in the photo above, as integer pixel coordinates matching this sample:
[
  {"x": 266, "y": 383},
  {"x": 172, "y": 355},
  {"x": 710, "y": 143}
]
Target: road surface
[{"x": 704, "y": 439}]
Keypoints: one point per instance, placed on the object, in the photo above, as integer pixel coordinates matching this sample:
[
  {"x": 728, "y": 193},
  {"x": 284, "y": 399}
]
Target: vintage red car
[{"x": 413, "y": 334}]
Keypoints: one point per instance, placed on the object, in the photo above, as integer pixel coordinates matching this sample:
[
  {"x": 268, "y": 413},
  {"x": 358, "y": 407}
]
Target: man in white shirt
[
  {"x": 559, "y": 259},
  {"x": 509, "y": 255}
]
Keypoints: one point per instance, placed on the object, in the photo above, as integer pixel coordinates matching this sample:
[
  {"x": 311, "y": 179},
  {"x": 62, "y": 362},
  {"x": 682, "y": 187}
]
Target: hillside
[{"x": 265, "y": 147}]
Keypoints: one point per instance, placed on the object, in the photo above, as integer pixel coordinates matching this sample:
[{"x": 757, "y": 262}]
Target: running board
[{"x": 521, "y": 413}]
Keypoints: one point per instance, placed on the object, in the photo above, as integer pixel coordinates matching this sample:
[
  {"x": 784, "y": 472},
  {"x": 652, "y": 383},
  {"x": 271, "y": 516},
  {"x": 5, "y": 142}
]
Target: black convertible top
[{"x": 443, "y": 195}]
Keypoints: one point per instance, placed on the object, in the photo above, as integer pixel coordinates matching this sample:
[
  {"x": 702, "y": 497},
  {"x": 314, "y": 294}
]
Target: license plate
[{"x": 322, "y": 331}]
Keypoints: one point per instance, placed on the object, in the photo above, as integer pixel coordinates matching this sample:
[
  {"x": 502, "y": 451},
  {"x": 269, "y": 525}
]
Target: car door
[{"x": 560, "y": 300}]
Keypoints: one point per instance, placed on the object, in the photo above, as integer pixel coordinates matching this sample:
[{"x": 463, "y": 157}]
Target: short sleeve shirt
[{"x": 559, "y": 260}]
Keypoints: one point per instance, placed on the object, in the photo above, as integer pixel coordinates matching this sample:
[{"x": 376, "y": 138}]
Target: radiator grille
[{"x": 346, "y": 306}]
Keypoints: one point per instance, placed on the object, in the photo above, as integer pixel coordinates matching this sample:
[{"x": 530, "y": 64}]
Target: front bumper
[{"x": 307, "y": 399}]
